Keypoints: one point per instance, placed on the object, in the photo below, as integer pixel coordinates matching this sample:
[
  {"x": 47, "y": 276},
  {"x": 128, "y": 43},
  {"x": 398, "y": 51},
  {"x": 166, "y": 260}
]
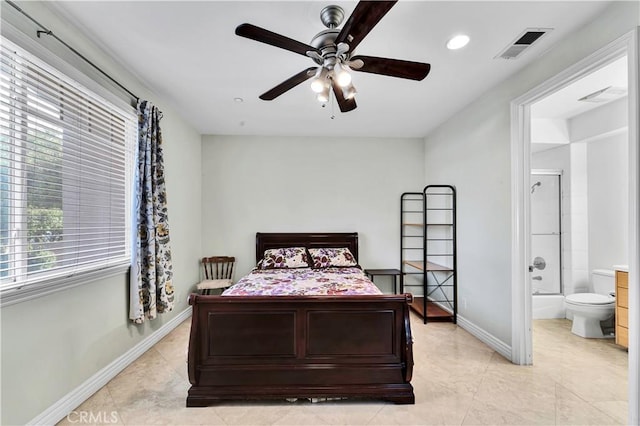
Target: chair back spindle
[{"x": 218, "y": 273}]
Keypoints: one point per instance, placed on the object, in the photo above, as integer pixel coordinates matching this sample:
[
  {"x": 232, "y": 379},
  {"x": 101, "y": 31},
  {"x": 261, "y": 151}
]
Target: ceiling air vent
[
  {"x": 522, "y": 42},
  {"x": 604, "y": 95}
]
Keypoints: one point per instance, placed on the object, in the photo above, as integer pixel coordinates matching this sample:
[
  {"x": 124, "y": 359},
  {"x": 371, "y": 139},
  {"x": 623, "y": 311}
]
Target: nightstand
[{"x": 397, "y": 276}]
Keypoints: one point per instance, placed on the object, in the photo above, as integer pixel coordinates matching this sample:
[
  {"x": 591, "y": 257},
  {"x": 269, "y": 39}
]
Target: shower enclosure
[{"x": 546, "y": 242}]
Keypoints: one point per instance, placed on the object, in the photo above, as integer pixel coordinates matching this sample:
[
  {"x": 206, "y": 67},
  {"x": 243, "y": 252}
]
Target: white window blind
[{"x": 65, "y": 175}]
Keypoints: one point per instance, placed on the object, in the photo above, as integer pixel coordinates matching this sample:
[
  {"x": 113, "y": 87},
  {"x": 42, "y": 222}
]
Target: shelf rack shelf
[{"x": 428, "y": 237}]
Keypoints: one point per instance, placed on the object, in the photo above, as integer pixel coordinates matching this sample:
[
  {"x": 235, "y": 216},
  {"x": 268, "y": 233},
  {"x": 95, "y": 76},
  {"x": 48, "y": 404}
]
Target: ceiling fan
[{"x": 332, "y": 50}]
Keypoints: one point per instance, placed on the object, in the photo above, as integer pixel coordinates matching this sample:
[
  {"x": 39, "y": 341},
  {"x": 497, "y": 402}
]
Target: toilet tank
[{"x": 603, "y": 281}]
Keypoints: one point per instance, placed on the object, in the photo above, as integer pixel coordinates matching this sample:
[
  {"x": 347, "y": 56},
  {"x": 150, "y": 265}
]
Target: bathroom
[{"x": 579, "y": 189}]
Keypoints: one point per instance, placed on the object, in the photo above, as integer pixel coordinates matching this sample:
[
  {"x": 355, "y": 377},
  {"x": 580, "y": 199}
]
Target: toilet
[{"x": 589, "y": 309}]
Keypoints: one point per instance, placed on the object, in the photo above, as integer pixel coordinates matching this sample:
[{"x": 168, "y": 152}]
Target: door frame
[{"x": 521, "y": 331}]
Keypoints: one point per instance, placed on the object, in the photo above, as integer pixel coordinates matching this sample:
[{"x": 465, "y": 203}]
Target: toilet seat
[{"x": 589, "y": 299}]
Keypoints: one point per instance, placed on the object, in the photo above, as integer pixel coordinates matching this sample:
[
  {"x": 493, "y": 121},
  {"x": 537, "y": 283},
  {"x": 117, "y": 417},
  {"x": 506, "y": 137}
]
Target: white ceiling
[
  {"x": 187, "y": 52},
  {"x": 565, "y": 103}
]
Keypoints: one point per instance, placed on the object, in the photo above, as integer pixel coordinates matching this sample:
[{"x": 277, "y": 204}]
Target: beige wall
[
  {"x": 223, "y": 191},
  {"x": 289, "y": 184},
  {"x": 472, "y": 151},
  {"x": 53, "y": 344}
]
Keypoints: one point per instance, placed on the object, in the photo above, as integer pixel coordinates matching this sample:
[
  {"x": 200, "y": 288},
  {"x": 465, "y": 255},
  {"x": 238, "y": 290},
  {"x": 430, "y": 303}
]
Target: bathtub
[{"x": 547, "y": 306}]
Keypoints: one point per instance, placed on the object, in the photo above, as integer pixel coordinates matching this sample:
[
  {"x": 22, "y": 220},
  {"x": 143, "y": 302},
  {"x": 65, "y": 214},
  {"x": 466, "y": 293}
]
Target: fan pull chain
[{"x": 333, "y": 105}]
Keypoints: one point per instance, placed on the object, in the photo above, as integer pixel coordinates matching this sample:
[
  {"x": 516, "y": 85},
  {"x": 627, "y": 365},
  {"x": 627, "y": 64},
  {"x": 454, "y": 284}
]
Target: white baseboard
[
  {"x": 73, "y": 399},
  {"x": 490, "y": 340}
]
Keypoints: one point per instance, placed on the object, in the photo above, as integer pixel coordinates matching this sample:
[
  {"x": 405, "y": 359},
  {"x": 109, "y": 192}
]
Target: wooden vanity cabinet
[{"x": 622, "y": 308}]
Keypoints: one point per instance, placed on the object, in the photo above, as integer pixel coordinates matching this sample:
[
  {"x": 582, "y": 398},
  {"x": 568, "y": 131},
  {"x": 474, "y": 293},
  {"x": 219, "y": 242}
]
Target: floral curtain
[{"x": 151, "y": 288}]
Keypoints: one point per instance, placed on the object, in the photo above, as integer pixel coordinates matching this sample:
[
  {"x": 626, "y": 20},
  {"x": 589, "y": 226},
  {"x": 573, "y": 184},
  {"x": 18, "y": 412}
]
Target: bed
[{"x": 332, "y": 344}]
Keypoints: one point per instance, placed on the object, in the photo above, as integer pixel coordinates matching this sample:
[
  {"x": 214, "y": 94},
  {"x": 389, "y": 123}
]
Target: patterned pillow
[
  {"x": 290, "y": 257},
  {"x": 325, "y": 257}
]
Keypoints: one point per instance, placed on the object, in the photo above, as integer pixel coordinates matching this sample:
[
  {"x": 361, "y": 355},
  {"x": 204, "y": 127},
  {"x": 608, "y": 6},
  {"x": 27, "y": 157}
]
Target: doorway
[{"x": 521, "y": 166}]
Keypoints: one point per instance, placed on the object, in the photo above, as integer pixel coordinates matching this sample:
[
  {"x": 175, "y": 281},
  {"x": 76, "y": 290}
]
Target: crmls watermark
[{"x": 93, "y": 417}]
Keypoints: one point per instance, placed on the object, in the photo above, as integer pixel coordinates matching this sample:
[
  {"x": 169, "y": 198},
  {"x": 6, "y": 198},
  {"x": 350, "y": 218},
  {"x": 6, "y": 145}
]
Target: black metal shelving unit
[
  {"x": 428, "y": 250},
  {"x": 412, "y": 241}
]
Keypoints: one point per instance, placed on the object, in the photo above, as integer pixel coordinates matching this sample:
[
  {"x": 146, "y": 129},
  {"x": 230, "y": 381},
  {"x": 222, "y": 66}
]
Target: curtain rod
[{"x": 46, "y": 31}]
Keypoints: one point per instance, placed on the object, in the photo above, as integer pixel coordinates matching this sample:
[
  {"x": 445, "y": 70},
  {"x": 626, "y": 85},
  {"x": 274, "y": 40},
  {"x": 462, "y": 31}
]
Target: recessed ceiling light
[
  {"x": 457, "y": 42},
  {"x": 238, "y": 100}
]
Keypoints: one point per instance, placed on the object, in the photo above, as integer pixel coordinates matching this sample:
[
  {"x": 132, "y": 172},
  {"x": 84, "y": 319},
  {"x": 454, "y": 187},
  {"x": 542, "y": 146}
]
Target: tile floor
[{"x": 457, "y": 379}]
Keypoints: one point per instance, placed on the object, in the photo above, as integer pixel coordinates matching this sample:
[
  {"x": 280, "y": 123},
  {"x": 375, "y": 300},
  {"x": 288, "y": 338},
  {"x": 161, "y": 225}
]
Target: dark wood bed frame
[{"x": 276, "y": 347}]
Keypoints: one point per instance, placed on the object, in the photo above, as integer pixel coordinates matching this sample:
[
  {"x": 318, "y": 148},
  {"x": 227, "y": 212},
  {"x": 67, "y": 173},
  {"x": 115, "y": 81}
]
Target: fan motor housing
[
  {"x": 331, "y": 16},
  {"x": 325, "y": 39}
]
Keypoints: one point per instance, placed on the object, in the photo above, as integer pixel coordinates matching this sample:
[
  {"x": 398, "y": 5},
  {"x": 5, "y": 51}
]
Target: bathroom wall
[
  {"x": 595, "y": 190},
  {"x": 578, "y": 277},
  {"x": 608, "y": 200},
  {"x": 604, "y": 131}
]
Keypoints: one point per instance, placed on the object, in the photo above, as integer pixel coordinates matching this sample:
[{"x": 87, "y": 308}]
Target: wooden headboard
[{"x": 266, "y": 241}]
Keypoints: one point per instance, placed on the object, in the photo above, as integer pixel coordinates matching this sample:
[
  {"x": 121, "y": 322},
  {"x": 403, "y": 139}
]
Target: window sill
[{"x": 12, "y": 296}]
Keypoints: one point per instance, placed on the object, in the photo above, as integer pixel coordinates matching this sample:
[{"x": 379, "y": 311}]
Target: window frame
[{"x": 34, "y": 288}]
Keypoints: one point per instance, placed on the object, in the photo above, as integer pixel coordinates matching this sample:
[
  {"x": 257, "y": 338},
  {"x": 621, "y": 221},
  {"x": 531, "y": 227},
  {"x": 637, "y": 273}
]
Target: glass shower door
[{"x": 546, "y": 232}]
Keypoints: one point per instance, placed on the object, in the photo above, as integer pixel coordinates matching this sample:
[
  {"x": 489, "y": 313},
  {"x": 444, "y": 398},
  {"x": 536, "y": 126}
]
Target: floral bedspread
[{"x": 303, "y": 282}]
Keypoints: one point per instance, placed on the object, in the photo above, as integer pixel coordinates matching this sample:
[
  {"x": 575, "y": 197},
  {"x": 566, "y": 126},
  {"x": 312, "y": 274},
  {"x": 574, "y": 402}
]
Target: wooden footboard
[{"x": 300, "y": 347}]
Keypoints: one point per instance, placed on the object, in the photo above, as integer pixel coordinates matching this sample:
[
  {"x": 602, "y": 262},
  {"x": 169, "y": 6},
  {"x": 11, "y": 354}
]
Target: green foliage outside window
[
  {"x": 44, "y": 200},
  {"x": 44, "y": 228}
]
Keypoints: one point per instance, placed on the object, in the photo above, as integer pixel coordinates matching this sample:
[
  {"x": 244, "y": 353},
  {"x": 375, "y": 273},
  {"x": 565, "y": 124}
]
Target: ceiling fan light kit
[
  {"x": 349, "y": 92},
  {"x": 333, "y": 52},
  {"x": 320, "y": 81},
  {"x": 323, "y": 95},
  {"x": 342, "y": 75}
]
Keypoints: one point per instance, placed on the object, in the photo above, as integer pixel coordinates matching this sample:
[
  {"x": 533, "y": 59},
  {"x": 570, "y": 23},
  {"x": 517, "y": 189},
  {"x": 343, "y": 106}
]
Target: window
[{"x": 65, "y": 176}]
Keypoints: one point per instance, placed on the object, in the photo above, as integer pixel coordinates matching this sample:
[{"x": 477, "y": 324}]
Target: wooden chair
[{"x": 218, "y": 273}]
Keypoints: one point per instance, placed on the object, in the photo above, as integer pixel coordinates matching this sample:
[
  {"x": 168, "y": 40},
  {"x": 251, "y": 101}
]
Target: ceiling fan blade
[
  {"x": 362, "y": 20},
  {"x": 277, "y": 40},
  {"x": 345, "y": 105},
  {"x": 288, "y": 84},
  {"x": 392, "y": 67}
]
